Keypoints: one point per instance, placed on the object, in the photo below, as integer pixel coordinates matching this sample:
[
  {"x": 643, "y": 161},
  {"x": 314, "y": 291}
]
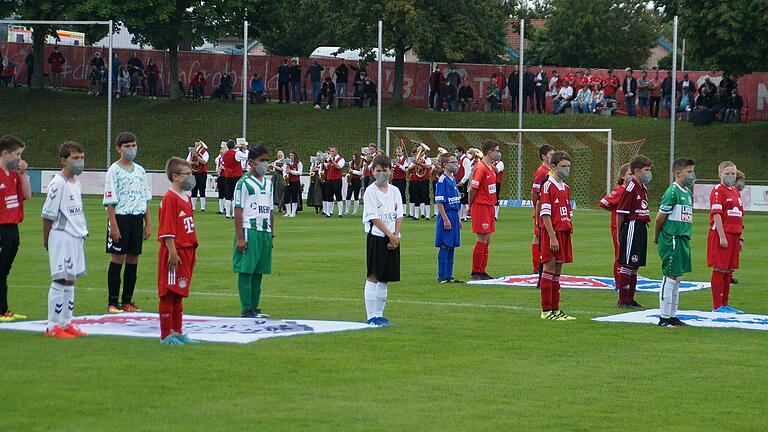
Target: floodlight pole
[
  {"x": 109, "y": 99},
  {"x": 610, "y": 161},
  {"x": 379, "y": 91},
  {"x": 682, "y": 62},
  {"x": 673, "y": 102},
  {"x": 245, "y": 78},
  {"x": 520, "y": 113}
]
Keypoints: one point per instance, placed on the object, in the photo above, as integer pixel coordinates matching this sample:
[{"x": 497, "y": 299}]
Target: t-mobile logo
[{"x": 189, "y": 224}]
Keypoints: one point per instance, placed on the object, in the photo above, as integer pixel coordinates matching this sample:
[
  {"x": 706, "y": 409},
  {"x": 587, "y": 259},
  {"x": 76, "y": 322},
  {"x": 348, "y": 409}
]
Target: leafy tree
[
  {"x": 722, "y": 35},
  {"x": 594, "y": 33},
  {"x": 435, "y": 29}
]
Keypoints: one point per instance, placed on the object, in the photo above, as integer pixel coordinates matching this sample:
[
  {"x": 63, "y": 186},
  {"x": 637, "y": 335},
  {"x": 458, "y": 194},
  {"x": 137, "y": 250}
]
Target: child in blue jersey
[{"x": 448, "y": 229}]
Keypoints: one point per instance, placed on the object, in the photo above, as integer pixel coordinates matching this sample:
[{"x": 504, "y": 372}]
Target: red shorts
[
  {"x": 723, "y": 258},
  {"x": 483, "y": 219},
  {"x": 535, "y": 226},
  {"x": 564, "y": 255},
  {"x": 178, "y": 280},
  {"x": 616, "y": 246}
]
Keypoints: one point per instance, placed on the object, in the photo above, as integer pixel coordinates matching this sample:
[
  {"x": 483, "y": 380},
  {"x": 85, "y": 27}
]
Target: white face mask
[{"x": 381, "y": 178}]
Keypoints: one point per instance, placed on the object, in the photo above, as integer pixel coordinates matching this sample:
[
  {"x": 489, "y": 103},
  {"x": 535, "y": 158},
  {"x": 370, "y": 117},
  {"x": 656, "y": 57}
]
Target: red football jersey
[
  {"x": 582, "y": 82},
  {"x": 176, "y": 221},
  {"x": 570, "y": 78},
  {"x": 399, "y": 173},
  {"x": 541, "y": 175},
  {"x": 332, "y": 172},
  {"x": 726, "y": 202},
  {"x": 231, "y": 166},
  {"x": 484, "y": 181},
  {"x": 11, "y": 198},
  {"x": 611, "y": 202},
  {"x": 556, "y": 203},
  {"x": 634, "y": 203},
  {"x": 611, "y": 84}
]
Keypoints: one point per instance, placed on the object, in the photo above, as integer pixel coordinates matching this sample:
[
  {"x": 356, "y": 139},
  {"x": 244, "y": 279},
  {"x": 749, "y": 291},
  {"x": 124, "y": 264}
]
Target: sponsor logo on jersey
[{"x": 735, "y": 212}]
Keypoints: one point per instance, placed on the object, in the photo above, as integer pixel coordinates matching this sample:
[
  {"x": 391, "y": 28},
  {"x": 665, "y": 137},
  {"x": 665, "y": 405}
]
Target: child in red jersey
[
  {"x": 541, "y": 175},
  {"x": 555, "y": 227},
  {"x": 482, "y": 199},
  {"x": 178, "y": 241},
  {"x": 610, "y": 202},
  {"x": 725, "y": 238},
  {"x": 632, "y": 218}
]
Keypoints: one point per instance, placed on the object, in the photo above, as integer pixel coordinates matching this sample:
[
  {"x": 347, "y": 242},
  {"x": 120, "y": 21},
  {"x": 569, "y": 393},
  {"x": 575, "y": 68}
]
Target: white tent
[{"x": 332, "y": 52}]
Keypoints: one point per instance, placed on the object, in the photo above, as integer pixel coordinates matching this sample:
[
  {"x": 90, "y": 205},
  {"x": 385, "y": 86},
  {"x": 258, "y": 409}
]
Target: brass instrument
[
  {"x": 476, "y": 152},
  {"x": 421, "y": 170}
]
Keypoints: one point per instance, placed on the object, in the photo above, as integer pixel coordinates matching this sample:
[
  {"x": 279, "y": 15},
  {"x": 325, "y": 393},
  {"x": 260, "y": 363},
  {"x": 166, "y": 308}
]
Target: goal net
[{"x": 596, "y": 156}]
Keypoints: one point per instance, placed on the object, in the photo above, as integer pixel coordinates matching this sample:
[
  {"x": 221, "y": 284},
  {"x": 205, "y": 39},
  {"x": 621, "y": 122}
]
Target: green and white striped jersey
[
  {"x": 255, "y": 198},
  {"x": 677, "y": 203}
]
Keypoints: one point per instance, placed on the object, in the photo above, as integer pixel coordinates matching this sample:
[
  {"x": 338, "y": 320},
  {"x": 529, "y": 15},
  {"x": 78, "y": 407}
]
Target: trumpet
[
  {"x": 421, "y": 170},
  {"x": 476, "y": 152}
]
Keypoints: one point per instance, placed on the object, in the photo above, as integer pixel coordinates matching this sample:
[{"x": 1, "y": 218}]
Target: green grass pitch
[{"x": 459, "y": 358}]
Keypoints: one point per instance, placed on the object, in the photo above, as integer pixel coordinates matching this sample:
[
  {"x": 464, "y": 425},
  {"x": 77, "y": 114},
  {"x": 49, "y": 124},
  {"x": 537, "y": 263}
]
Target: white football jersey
[
  {"x": 64, "y": 206},
  {"x": 385, "y": 206},
  {"x": 127, "y": 190}
]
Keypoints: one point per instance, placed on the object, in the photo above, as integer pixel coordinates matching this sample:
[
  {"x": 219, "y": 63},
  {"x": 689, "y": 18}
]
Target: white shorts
[{"x": 66, "y": 256}]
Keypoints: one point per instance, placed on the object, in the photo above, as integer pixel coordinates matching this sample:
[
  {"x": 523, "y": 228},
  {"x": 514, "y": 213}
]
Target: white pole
[
  {"x": 673, "y": 102},
  {"x": 244, "y": 84},
  {"x": 682, "y": 62},
  {"x": 520, "y": 114},
  {"x": 379, "y": 93},
  {"x": 387, "y": 141},
  {"x": 109, "y": 101},
  {"x": 610, "y": 162}
]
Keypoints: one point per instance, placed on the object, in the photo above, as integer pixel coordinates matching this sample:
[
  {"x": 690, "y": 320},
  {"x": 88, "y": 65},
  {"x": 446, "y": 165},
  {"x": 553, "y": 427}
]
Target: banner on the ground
[
  {"x": 694, "y": 318},
  {"x": 202, "y": 328},
  {"x": 588, "y": 282}
]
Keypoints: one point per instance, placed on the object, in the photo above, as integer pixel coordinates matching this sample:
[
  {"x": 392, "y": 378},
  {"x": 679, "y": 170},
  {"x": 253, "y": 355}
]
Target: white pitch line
[{"x": 350, "y": 299}]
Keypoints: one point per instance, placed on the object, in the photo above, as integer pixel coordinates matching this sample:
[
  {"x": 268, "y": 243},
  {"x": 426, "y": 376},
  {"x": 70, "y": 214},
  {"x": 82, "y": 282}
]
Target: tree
[
  {"x": 438, "y": 30},
  {"x": 722, "y": 35},
  {"x": 55, "y": 10},
  {"x": 596, "y": 33},
  {"x": 293, "y": 29}
]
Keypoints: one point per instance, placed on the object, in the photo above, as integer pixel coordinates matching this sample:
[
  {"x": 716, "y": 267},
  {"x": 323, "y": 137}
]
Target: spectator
[
  {"x": 686, "y": 83},
  {"x": 710, "y": 86},
  {"x": 369, "y": 92},
  {"x": 315, "y": 74},
  {"x": 728, "y": 83},
  {"x": 563, "y": 99},
  {"x": 501, "y": 82},
  {"x": 114, "y": 69},
  {"x": 8, "y": 75},
  {"x": 451, "y": 95},
  {"x": 360, "y": 86},
  {"x": 554, "y": 85},
  {"x": 97, "y": 61},
  {"x": 294, "y": 76},
  {"x": 569, "y": 76},
  {"x": 123, "y": 82},
  {"x": 655, "y": 101},
  {"x": 466, "y": 96},
  {"x": 328, "y": 91},
  {"x": 198, "y": 86},
  {"x": 582, "y": 80},
  {"x": 629, "y": 87},
  {"x": 684, "y": 103},
  {"x": 593, "y": 80},
  {"x": 342, "y": 77},
  {"x": 137, "y": 80},
  {"x": 57, "y": 61},
  {"x": 666, "y": 92},
  {"x": 226, "y": 86},
  {"x": 513, "y": 84},
  {"x": 735, "y": 104},
  {"x": 529, "y": 85},
  {"x": 493, "y": 95},
  {"x": 257, "y": 89},
  {"x": 134, "y": 63},
  {"x": 598, "y": 98},
  {"x": 436, "y": 81},
  {"x": 29, "y": 61},
  {"x": 453, "y": 77},
  {"x": 94, "y": 78},
  {"x": 283, "y": 79},
  {"x": 540, "y": 90},
  {"x": 152, "y": 73},
  {"x": 441, "y": 96},
  {"x": 719, "y": 103},
  {"x": 583, "y": 101},
  {"x": 611, "y": 85},
  {"x": 644, "y": 92}
]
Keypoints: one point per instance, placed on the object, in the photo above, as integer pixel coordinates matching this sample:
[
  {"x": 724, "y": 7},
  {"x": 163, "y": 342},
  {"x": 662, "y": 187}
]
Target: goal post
[{"x": 597, "y": 157}]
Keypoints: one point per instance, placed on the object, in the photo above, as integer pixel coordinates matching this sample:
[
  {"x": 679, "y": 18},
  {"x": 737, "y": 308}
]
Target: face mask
[
  {"x": 729, "y": 179},
  {"x": 381, "y": 178},
  {"x": 497, "y": 156},
  {"x": 646, "y": 178},
  {"x": 453, "y": 169},
  {"x": 261, "y": 168},
  {"x": 564, "y": 172},
  {"x": 13, "y": 165},
  {"x": 740, "y": 186},
  {"x": 76, "y": 167},
  {"x": 689, "y": 180},
  {"x": 130, "y": 153},
  {"x": 188, "y": 183}
]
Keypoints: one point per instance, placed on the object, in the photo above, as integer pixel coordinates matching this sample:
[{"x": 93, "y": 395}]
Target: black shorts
[
  {"x": 367, "y": 181},
  {"x": 411, "y": 191},
  {"x": 633, "y": 244},
  {"x": 131, "y": 235},
  {"x": 353, "y": 189},
  {"x": 420, "y": 192},
  {"x": 201, "y": 179},
  {"x": 400, "y": 185},
  {"x": 334, "y": 190},
  {"x": 463, "y": 193},
  {"x": 221, "y": 187},
  {"x": 229, "y": 190},
  {"x": 9, "y": 247},
  {"x": 383, "y": 263},
  {"x": 498, "y": 190}
]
